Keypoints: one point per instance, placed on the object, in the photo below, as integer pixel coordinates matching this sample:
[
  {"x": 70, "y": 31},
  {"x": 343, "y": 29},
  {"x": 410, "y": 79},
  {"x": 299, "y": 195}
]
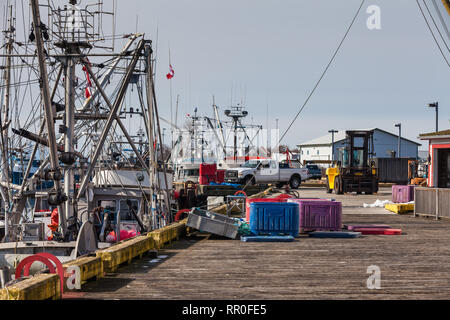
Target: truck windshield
[{"x": 250, "y": 164}]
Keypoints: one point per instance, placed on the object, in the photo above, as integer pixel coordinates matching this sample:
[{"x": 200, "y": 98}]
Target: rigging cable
[
  {"x": 324, "y": 72},
  {"x": 429, "y": 27}
]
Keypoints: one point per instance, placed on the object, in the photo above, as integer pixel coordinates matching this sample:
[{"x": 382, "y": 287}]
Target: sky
[{"x": 270, "y": 54}]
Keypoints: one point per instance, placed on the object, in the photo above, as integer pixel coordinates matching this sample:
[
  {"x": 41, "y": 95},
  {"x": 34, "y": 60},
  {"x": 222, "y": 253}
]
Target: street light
[
  {"x": 435, "y": 105},
  {"x": 332, "y": 131},
  {"x": 399, "y": 125}
]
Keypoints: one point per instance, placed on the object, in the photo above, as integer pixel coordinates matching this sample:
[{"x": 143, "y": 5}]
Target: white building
[{"x": 384, "y": 144}]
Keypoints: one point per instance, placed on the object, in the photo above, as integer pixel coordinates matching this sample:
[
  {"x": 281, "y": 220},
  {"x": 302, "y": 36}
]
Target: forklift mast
[{"x": 358, "y": 151}]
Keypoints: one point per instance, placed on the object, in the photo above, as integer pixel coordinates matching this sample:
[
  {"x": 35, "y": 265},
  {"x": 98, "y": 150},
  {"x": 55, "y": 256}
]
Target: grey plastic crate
[{"x": 211, "y": 222}]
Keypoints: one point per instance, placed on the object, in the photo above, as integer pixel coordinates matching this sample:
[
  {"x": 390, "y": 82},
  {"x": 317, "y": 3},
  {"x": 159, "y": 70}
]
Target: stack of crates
[{"x": 207, "y": 173}]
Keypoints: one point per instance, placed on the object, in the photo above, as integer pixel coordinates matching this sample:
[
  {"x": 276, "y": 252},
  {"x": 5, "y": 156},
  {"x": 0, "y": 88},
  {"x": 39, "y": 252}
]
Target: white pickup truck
[{"x": 266, "y": 171}]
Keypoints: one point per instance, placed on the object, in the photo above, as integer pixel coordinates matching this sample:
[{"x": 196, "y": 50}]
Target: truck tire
[
  {"x": 295, "y": 182},
  {"x": 338, "y": 187}
]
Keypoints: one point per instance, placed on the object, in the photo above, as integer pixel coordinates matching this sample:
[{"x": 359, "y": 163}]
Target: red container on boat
[
  {"x": 220, "y": 177},
  {"x": 319, "y": 214},
  {"x": 384, "y": 231},
  {"x": 207, "y": 173},
  {"x": 402, "y": 194},
  {"x": 249, "y": 201}
]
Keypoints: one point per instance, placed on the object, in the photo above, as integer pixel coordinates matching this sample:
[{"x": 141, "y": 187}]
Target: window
[
  {"x": 273, "y": 165},
  {"x": 125, "y": 212},
  {"x": 317, "y": 151},
  {"x": 307, "y": 152}
]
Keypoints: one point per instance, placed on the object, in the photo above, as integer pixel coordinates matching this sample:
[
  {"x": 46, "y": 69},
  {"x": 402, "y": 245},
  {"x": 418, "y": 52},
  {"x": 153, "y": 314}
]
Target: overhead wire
[
  {"x": 324, "y": 72},
  {"x": 432, "y": 33},
  {"x": 437, "y": 28}
]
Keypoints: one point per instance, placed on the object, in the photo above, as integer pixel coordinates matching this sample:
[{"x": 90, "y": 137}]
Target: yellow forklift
[{"x": 355, "y": 170}]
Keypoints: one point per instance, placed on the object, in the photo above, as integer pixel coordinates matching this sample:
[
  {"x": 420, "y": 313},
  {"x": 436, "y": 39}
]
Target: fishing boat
[{"x": 74, "y": 177}]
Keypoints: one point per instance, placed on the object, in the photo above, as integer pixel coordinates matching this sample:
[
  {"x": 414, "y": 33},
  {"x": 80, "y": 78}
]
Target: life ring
[
  {"x": 46, "y": 259},
  {"x": 240, "y": 192},
  {"x": 180, "y": 213}
]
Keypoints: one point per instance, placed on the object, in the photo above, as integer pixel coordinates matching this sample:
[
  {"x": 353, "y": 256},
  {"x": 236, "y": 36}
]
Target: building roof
[
  {"x": 340, "y": 136},
  {"x": 438, "y": 134}
]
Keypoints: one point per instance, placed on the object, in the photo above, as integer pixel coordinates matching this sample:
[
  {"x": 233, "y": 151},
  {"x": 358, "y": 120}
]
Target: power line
[
  {"x": 429, "y": 27},
  {"x": 434, "y": 22},
  {"x": 441, "y": 19},
  {"x": 324, "y": 72}
]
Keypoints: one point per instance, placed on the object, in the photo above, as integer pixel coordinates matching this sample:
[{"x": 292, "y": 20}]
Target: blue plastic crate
[{"x": 274, "y": 218}]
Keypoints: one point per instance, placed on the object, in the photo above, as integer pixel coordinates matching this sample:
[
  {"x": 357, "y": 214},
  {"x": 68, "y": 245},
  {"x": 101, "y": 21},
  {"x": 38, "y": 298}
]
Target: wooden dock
[{"x": 413, "y": 266}]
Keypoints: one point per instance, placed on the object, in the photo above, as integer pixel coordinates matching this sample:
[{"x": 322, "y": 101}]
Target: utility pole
[
  {"x": 399, "y": 125},
  {"x": 332, "y": 131}
]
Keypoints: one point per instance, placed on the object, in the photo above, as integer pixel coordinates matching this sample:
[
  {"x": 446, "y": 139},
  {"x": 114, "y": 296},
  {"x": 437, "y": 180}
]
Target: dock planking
[{"x": 414, "y": 265}]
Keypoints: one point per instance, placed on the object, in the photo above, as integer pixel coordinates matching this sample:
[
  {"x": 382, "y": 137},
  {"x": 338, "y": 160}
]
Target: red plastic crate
[
  {"x": 207, "y": 173},
  {"x": 220, "y": 177},
  {"x": 207, "y": 169}
]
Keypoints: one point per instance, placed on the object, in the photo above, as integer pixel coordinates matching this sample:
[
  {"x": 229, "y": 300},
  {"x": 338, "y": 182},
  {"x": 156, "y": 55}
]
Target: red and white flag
[{"x": 171, "y": 72}]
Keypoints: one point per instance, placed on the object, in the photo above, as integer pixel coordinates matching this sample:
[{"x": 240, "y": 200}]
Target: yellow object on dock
[
  {"x": 168, "y": 233},
  {"x": 90, "y": 267},
  {"x": 124, "y": 251},
  {"x": 40, "y": 287},
  {"x": 400, "y": 207}
]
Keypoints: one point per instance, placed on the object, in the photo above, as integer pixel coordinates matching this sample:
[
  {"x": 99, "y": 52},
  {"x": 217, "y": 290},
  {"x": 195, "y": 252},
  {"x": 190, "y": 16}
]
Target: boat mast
[
  {"x": 4, "y": 120},
  {"x": 48, "y": 113}
]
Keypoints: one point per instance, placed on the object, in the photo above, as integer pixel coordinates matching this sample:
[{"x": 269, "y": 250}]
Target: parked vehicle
[
  {"x": 314, "y": 171},
  {"x": 266, "y": 171}
]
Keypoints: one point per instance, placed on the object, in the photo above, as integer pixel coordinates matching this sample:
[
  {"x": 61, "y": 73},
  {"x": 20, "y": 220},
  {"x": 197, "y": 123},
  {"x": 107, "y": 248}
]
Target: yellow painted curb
[
  {"x": 90, "y": 267},
  {"x": 168, "y": 233},
  {"x": 40, "y": 287},
  {"x": 124, "y": 251}
]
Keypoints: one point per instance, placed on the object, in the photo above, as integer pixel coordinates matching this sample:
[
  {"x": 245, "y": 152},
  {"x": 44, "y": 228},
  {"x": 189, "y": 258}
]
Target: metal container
[
  {"x": 32, "y": 231},
  {"x": 250, "y": 201},
  {"x": 218, "y": 224},
  {"x": 402, "y": 194},
  {"x": 274, "y": 218},
  {"x": 319, "y": 215},
  {"x": 392, "y": 170}
]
